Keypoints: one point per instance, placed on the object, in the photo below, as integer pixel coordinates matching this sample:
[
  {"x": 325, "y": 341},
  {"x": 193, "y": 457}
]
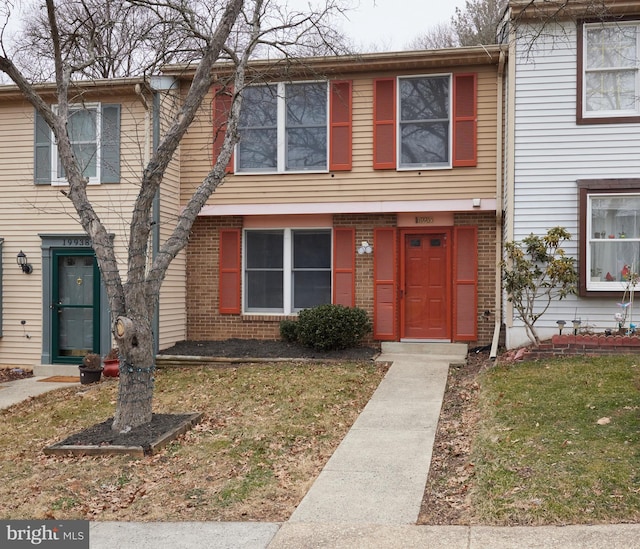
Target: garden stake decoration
[{"x": 631, "y": 276}]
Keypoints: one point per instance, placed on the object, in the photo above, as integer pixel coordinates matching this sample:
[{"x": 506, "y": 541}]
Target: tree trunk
[{"x": 137, "y": 366}]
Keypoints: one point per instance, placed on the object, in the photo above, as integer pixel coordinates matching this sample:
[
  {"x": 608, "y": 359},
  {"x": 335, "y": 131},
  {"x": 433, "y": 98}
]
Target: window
[
  {"x": 287, "y": 270},
  {"x": 283, "y": 127},
  {"x": 610, "y": 223},
  {"x": 424, "y": 121},
  {"x": 609, "y": 83},
  {"x": 94, "y": 130}
]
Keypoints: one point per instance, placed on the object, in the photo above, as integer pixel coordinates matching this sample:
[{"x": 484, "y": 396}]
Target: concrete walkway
[
  {"x": 369, "y": 493},
  {"x": 378, "y": 473},
  {"x": 13, "y": 392}
]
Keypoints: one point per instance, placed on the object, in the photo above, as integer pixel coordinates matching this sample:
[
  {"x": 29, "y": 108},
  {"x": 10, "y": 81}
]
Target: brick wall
[{"x": 204, "y": 321}]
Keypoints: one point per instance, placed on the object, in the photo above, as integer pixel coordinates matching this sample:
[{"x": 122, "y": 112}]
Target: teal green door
[{"x": 76, "y": 305}]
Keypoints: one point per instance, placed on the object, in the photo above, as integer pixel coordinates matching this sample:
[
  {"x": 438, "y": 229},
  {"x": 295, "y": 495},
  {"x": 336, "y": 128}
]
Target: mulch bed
[
  {"x": 142, "y": 440},
  {"x": 11, "y": 374},
  {"x": 257, "y": 348}
]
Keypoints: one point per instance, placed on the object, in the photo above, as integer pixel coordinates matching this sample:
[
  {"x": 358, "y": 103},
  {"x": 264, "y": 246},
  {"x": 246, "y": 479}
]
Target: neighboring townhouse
[
  {"x": 572, "y": 149},
  {"x": 366, "y": 181},
  {"x": 54, "y": 309}
]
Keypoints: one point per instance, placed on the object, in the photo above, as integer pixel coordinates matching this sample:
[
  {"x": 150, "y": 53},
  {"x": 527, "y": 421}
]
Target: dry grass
[{"x": 267, "y": 432}]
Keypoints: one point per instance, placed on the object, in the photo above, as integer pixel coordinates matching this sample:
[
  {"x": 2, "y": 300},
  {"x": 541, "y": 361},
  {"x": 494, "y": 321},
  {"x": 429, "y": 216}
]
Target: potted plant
[
  {"x": 111, "y": 363},
  {"x": 90, "y": 369}
]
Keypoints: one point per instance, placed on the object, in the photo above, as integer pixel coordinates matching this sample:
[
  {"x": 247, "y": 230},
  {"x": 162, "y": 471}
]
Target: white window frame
[
  {"x": 281, "y": 133},
  {"x": 438, "y": 166},
  {"x": 62, "y": 181},
  {"x": 287, "y": 268},
  {"x": 593, "y": 284},
  {"x": 612, "y": 113}
]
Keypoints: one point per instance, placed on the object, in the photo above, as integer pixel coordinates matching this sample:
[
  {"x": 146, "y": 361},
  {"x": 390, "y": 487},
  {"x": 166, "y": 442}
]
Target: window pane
[
  {"x": 614, "y": 246},
  {"x": 306, "y": 126},
  {"x": 311, "y": 288},
  {"x": 424, "y": 98},
  {"x": 425, "y": 143},
  {"x": 258, "y": 150},
  {"x": 611, "y": 91},
  {"x": 264, "y": 249},
  {"x": 82, "y": 125},
  {"x": 264, "y": 290},
  {"x": 257, "y": 128},
  {"x": 264, "y": 275},
  {"x": 311, "y": 279},
  {"x": 611, "y": 46},
  {"x": 86, "y": 156},
  {"x": 306, "y": 104},
  {"x": 312, "y": 250},
  {"x": 306, "y": 149}
]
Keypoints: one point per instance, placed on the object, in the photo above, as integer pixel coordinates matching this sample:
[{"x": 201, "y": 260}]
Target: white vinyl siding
[{"x": 552, "y": 152}]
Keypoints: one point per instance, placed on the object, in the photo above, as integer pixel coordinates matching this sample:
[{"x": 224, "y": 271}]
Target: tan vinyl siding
[
  {"x": 172, "y": 310},
  {"x": 362, "y": 184},
  {"x": 28, "y": 210}
]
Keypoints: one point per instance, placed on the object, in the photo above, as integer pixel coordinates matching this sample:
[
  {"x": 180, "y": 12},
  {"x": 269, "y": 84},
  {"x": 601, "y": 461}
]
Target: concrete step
[
  {"x": 455, "y": 352},
  {"x": 48, "y": 370}
]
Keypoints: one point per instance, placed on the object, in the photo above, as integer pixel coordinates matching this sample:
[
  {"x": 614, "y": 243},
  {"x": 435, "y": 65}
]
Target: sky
[{"x": 393, "y": 23}]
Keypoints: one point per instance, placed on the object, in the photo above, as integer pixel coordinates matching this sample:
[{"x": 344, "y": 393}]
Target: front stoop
[
  {"x": 451, "y": 352},
  {"x": 48, "y": 370}
]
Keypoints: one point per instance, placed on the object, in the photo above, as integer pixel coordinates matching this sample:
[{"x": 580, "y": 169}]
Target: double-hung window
[
  {"x": 283, "y": 127},
  {"x": 425, "y": 121},
  {"x": 94, "y": 132},
  {"x": 610, "y": 80},
  {"x": 286, "y": 270},
  {"x": 610, "y": 221}
]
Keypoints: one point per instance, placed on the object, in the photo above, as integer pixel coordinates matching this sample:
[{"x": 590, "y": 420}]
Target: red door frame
[{"x": 447, "y": 231}]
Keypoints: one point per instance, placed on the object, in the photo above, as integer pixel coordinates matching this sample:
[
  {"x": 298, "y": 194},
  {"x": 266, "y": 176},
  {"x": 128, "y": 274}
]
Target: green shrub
[
  {"x": 329, "y": 327},
  {"x": 289, "y": 331}
]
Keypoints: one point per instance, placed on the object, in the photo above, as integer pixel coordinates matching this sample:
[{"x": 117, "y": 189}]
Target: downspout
[{"x": 499, "y": 218}]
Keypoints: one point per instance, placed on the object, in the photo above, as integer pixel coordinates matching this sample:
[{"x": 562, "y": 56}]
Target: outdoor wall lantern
[
  {"x": 22, "y": 263},
  {"x": 365, "y": 248}
]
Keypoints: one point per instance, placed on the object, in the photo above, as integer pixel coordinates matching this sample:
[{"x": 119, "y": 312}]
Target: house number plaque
[{"x": 424, "y": 220}]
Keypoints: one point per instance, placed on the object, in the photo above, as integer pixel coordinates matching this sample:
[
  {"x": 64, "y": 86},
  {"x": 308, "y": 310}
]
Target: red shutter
[
  {"x": 344, "y": 279},
  {"x": 465, "y": 120},
  {"x": 340, "y": 126},
  {"x": 465, "y": 294},
  {"x": 230, "y": 271},
  {"x": 384, "y": 284},
  {"x": 221, "y": 108},
  {"x": 384, "y": 124}
]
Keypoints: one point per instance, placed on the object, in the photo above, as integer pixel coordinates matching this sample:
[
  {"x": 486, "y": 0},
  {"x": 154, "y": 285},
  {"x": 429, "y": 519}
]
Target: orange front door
[{"x": 426, "y": 301}]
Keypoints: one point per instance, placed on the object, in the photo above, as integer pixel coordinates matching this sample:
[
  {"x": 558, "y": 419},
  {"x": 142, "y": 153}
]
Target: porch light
[
  {"x": 365, "y": 248},
  {"x": 560, "y": 324},
  {"x": 21, "y": 259}
]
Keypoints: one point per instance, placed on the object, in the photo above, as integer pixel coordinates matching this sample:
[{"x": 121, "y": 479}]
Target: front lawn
[
  {"x": 266, "y": 433},
  {"x": 558, "y": 442}
]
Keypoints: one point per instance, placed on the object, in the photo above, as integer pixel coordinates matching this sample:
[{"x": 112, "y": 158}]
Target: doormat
[{"x": 62, "y": 379}]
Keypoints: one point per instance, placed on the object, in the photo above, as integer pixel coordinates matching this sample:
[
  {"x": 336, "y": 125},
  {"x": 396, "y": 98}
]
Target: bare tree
[
  {"x": 437, "y": 37},
  {"x": 223, "y": 29},
  {"x": 107, "y": 38},
  {"x": 476, "y": 24}
]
